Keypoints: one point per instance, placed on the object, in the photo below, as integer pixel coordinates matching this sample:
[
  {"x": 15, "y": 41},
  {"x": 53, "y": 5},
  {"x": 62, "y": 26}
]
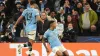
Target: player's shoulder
[
  {"x": 35, "y": 9},
  {"x": 25, "y": 10},
  {"x": 28, "y": 9},
  {"x": 56, "y": 29},
  {"x": 47, "y": 31}
]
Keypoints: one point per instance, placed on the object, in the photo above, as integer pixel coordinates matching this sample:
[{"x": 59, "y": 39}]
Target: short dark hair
[
  {"x": 32, "y": 2},
  {"x": 51, "y": 23},
  {"x": 54, "y": 12},
  {"x": 86, "y": 4}
]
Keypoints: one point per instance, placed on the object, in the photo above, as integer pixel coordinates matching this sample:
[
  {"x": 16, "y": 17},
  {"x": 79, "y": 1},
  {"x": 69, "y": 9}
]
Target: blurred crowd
[{"x": 74, "y": 18}]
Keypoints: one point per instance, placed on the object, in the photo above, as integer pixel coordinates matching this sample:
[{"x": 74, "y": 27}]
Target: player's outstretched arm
[{"x": 38, "y": 18}]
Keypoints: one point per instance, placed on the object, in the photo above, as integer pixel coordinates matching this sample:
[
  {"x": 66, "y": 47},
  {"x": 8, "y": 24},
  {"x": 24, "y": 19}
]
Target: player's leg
[
  {"x": 30, "y": 43},
  {"x": 31, "y": 37},
  {"x": 57, "y": 51},
  {"x": 63, "y": 50},
  {"x": 66, "y": 53}
]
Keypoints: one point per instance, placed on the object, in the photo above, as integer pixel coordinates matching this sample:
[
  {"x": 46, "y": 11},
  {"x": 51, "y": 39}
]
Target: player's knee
[
  {"x": 59, "y": 53},
  {"x": 66, "y": 53}
]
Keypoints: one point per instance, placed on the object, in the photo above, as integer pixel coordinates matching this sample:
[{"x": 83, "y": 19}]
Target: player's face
[{"x": 54, "y": 25}]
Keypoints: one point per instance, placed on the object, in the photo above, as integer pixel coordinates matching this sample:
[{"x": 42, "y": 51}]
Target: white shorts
[
  {"x": 31, "y": 35},
  {"x": 59, "y": 48}
]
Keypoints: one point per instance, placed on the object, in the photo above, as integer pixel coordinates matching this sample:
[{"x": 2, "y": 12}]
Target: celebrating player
[
  {"x": 30, "y": 15},
  {"x": 52, "y": 36}
]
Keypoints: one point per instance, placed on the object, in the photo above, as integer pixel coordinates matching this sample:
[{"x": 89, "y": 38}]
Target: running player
[
  {"x": 52, "y": 36},
  {"x": 30, "y": 15}
]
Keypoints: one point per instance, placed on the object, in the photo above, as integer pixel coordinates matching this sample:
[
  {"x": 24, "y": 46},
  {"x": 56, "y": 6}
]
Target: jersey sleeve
[
  {"x": 46, "y": 35},
  {"x": 24, "y": 13},
  {"x": 56, "y": 30},
  {"x": 37, "y": 12}
]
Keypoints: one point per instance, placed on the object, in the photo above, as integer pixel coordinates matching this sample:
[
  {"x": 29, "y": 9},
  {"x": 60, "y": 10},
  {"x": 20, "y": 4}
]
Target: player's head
[
  {"x": 32, "y": 3},
  {"x": 52, "y": 24}
]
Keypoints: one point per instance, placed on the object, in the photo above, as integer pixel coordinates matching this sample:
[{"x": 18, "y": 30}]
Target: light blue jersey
[
  {"x": 30, "y": 17},
  {"x": 52, "y": 37}
]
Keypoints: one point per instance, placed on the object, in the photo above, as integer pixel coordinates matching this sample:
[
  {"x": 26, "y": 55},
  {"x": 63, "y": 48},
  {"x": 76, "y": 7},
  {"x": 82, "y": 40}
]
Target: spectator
[
  {"x": 60, "y": 28},
  {"x": 6, "y": 39},
  {"x": 94, "y": 5},
  {"x": 15, "y": 17},
  {"x": 90, "y": 1},
  {"x": 57, "y": 5},
  {"x": 69, "y": 34},
  {"x": 88, "y": 21},
  {"x": 2, "y": 6},
  {"x": 79, "y": 8},
  {"x": 10, "y": 4},
  {"x": 74, "y": 3},
  {"x": 68, "y": 19},
  {"x": 98, "y": 8},
  {"x": 42, "y": 5},
  {"x": 42, "y": 26},
  {"x": 47, "y": 11},
  {"x": 67, "y": 7},
  {"x": 24, "y": 3},
  {"x": 75, "y": 20},
  {"x": 61, "y": 16},
  {"x": 50, "y": 4},
  {"x": 16, "y": 10},
  {"x": 72, "y": 19},
  {"x": 98, "y": 12},
  {"x": 84, "y": 2},
  {"x": 3, "y": 22},
  {"x": 62, "y": 3},
  {"x": 52, "y": 16}
]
